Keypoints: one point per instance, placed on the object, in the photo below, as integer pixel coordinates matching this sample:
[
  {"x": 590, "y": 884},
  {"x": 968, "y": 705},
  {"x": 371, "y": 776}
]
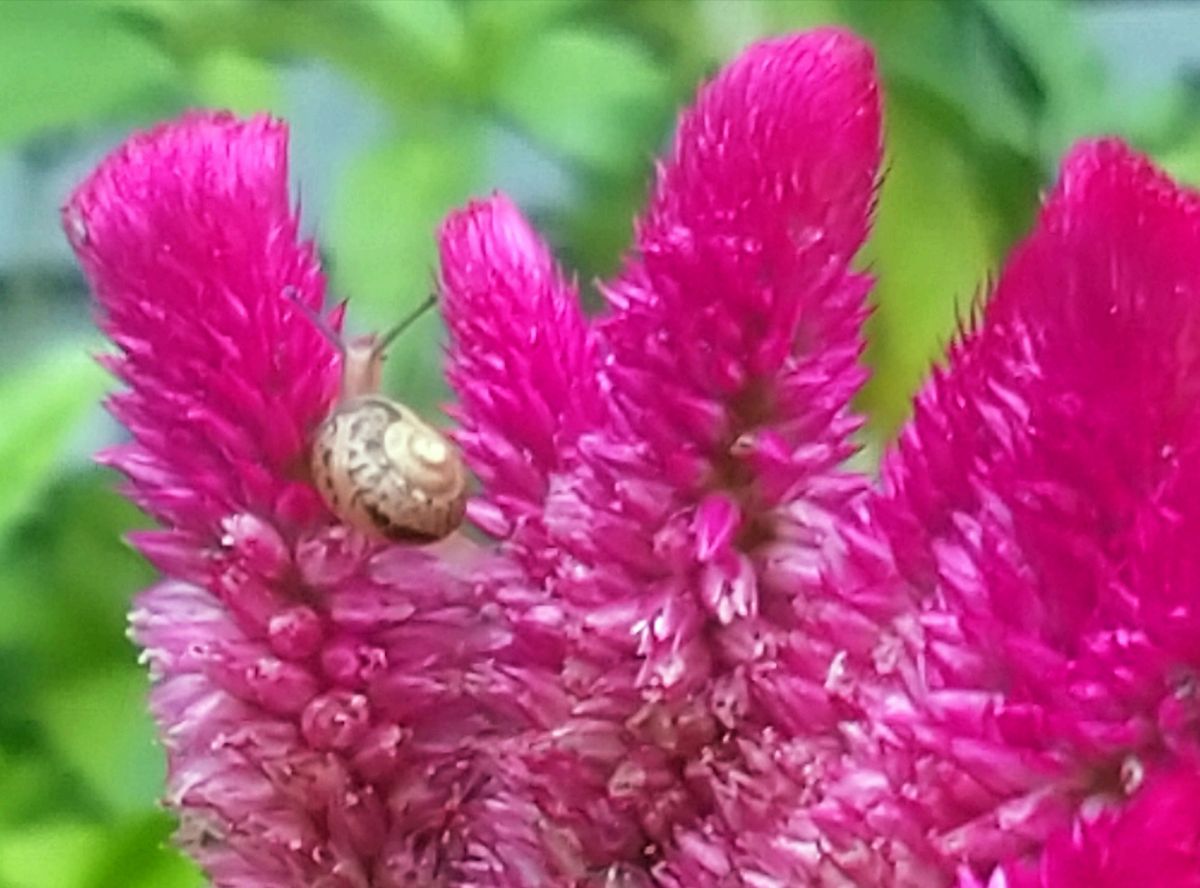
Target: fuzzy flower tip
[{"x": 1041, "y": 509}]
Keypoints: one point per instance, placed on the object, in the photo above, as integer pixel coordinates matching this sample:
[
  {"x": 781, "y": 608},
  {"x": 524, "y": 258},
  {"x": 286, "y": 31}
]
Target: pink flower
[
  {"x": 700, "y": 651},
  {"x": 1153, "y": 839},
  {"x": 325, "y": 704},
  {"x": 671, "y": 472},
  {"x": 1041, "y": 508}
]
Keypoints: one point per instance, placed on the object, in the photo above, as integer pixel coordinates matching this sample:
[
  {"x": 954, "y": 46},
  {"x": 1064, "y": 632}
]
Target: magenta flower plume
[
  {"x": 1040, "y": 508},
  {"x": 671, "y": 474},
  {"x": 701, "y": 651},
  {"x": 188, "y": 241},
  {"x": 324, "y": 703},
  {"x": 1154, "y": 839},
  {"x": 524, "y": 363}
]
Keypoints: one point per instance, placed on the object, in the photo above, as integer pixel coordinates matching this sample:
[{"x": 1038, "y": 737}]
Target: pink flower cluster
[{"x": 698, "y": 649}]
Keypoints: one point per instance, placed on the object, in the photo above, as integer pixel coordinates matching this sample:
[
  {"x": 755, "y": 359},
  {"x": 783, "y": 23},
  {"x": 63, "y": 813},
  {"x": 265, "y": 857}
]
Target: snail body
[{"x": 378, "y": 466}]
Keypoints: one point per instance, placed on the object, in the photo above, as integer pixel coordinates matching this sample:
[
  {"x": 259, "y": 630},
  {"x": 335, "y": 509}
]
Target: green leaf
[
  {"x": 165, "y": 10},
  {"x": 496, "y": 18},
  {"x": 1047, "y": 42},
  {"x": 436, "y": 25},
  {"x": 596, "y": 98},
  {"x": 57, "y": 853},
  {"x": 137, "y": 854},
  {"x": 226, "y": 78},
  {"x": 33, "y": 785},
  {"x": 132, "y": 853},
  {"x": 72, "y": 63},
  {"x": 779, "y": 15},
  {"x": 1182, "y": 160},
  {"x": 496, "y": 35},
  {"x": 43, "y": 404},
  {"x": 99, "y": 725},
  {"x": 382, "y": 235},
  {"x": 945, "y": 50},
  {"x": 48, "y": 569},
  {"x": 396, "y": 63},
  {"x": 73, "y": 714},
  {"x": 929, "y": 252}
]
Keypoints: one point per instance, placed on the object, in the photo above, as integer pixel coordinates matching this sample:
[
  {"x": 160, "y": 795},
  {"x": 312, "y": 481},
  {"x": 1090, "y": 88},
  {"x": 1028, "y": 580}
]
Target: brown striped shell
[{"x": 381, "y": 468}]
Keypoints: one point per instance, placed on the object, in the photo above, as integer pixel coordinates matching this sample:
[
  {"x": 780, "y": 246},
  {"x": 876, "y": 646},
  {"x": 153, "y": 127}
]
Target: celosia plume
[
  {"x": 679, "y": 528},
  {"x": 323, "y": 703},
  {"x": 1038, "y": 508},
  {"x": 700, "y": 651}
]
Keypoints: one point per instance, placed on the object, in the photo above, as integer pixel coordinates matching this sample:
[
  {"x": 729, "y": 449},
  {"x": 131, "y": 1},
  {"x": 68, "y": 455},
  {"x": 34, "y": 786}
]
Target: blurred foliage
[{"x": 982, "y": 98}]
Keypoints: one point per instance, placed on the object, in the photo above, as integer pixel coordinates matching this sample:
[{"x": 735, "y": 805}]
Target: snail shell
[
  {"x": 383, "y": 470},
  {"x": 379, "y": 467}
]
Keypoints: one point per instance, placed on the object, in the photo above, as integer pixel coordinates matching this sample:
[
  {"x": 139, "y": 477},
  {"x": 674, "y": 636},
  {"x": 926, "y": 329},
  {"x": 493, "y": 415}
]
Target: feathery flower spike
[
  {"x": 1041, "y": 509},
  {"x": 325, "y": 704},
  {"x": 672, "y": 473},
  {"x": 701, "y": 653}
]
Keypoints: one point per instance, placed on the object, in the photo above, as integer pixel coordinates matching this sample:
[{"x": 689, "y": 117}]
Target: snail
[{"x": 379, "y": 467}]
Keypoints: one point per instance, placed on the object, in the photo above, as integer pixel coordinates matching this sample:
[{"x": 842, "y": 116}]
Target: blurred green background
[{"x": 401, "y": 109}]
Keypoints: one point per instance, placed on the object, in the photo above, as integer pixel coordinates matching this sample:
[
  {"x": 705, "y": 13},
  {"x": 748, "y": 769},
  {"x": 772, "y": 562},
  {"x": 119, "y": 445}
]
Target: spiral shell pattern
[{"x": 384, "y": 471}]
